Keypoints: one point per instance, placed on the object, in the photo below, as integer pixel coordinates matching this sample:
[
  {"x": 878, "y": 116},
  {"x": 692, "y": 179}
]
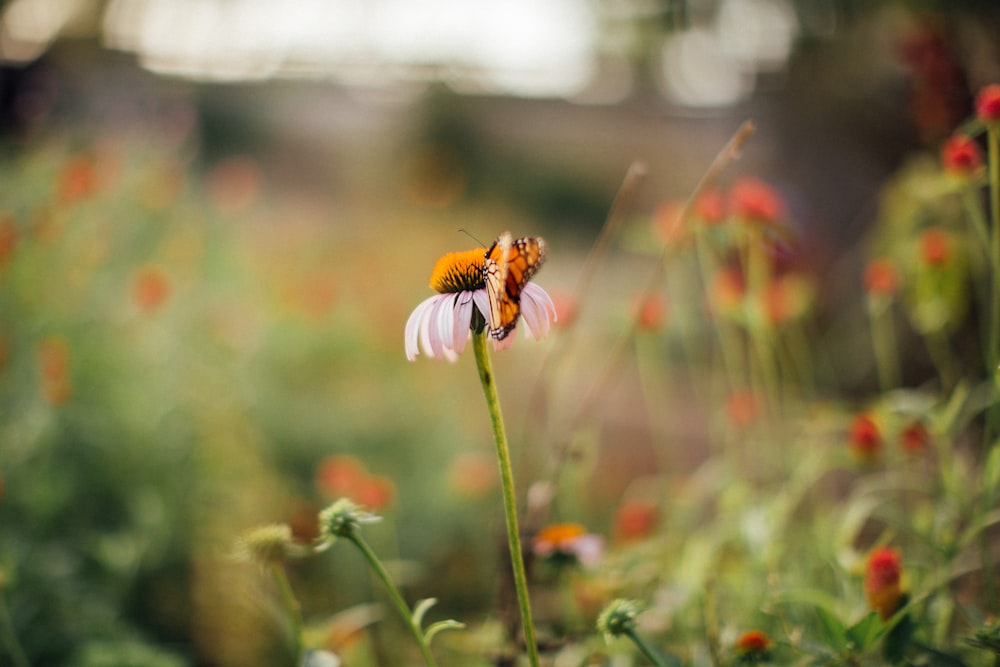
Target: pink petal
[{"x": 414, "y": 326}]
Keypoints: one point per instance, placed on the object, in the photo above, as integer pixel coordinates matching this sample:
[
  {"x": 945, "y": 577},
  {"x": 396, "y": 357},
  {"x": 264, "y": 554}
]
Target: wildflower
[
  {"x": 266, "y": 544},
  {"x": 710, "y": 207},
  {"x": 914, "y": 437},
  {"x": 935, "y": 247},
  {"x": 618, "y": 618},
  {"x": 150, "y": 288},
  {"x": 376, "y": 492},
  {"x": 473, "y": 475},
  {"x": 882, "y": 581},
  {"x": 439, "y": 326},
  {"x": 988, "y": 104},
  {"x": 881, "y": 277},
  {"x": 755, "y": 200},
  {"x": 635, "y": 519},
  {"x": 650, "y": 312},
  {"x": 568, "y": 541},
  {"x": 338, "y": 476},
  {"x": 342, "y": 518},
  {"x": 753, "y": 646},
  {"x": 742, "y": 408},
  {"x": 53, "y": 355},
  {"x": 961, "y": 156},
  {"x": 864, "y": 438}
]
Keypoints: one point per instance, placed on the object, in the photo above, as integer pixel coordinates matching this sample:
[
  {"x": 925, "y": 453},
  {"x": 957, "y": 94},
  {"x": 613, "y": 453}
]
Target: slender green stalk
[
  {"x": 646, "y": 650},
  {"x": 394, "y": 595},
  {"x": 486, "y": 376},
  {"x": 293, "y": 608},
  {"x": 883, "y": 342},
  {"x": 8, "y": 639},
  {"x": 993, "y": 140}
]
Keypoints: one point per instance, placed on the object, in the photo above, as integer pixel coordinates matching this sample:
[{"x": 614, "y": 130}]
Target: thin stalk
[
  {"x": 394, "y": 595},
  {"x": 883, "y": 342},
  {"x": 8, "y": 638},
  {"x": 293, "y": 608},
  {"x": 993, "y": 140},
  {"x": 488, "y": 380},
  {"x": 646, "y": 650}
]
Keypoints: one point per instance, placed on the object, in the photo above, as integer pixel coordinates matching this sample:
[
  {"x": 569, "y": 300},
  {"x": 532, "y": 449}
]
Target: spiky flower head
[
  {"x": 618, "y": 618},
  {"x": 266, "y": 544},
  {"x": 342, "y": 518}
]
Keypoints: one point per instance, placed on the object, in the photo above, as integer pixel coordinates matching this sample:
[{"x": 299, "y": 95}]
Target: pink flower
[
  {"x": 961, "y": 156},
  {"x": 988, "y": 103}
]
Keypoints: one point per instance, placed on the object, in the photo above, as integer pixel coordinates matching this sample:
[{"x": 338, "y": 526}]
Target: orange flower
[
  {"x": 960, "y": 155},
  {"x": 150, "y": 288},
  {"x": 755, "y": 200},
  {"x": 568, "y": 540},
  {"x": 864, "y": 438},
  {"x": 710, "y": 206},
  {"x": 881, "y": 277},
  {"x": 754, "y": 642},
  {"x": 935, "y": 247},
  {"x": 651, "y": 312},
  {"x": 741, "y": 408},
  {"x": 375, "y": 492},
  {"x": 635, "y": 519},
  {"x": 339, "y": 476},
  {"x": 882, "y": 581},
  {"x": 53, "y": 356},
  {"x": 77, "y": 180},
  {"x": 988, "y": 103}
]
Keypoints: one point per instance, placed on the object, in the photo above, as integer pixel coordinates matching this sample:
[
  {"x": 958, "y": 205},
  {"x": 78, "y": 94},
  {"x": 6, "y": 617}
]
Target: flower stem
[
  {"x": 486, "y": 376},
  {"x": 8, "y": 638},
  {"x": 646, "y": 650},
  {"x": 993, "y": 141},
  {"x": 293, "y": 608},
  {"x": 394, "y": 595}
]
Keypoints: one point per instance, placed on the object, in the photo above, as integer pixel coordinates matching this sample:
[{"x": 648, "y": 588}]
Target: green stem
[
  {"x": 293, "y": 608},
  {"x": 9, "y": 638},
  {"x": 486, "y": 376},
  {"x": 394, "y": 595},
  {"x": 993, "y": 137},
  {"x": 646, "y": 650},
  {"x": 883, "y": 342}
]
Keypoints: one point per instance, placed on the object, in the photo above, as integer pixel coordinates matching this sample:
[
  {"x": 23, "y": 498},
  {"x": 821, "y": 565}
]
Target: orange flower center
[{"x": 459, "y": 272}]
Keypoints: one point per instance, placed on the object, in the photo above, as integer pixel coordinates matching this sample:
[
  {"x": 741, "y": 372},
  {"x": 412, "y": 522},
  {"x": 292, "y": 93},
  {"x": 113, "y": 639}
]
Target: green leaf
[
  {"x": 834, "y": 630},
  {"x": 440, "y": 626},
  {"x": 864, "y": 633}
]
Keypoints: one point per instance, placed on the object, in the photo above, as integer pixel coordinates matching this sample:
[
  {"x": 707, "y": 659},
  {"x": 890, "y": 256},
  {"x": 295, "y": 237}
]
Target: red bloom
[
  {"x": 150, "y": 288},
  {"x": 753, "y": 642},
  {"x": 961, "y": 155},
  {"x": 755, "y": 200},
  {"x": 710, "y": 206},
  {"x": 375, "y": 492},
  {"x": 339, "y": 476},
  {"x": 882, "y": 581},
  {"x": 881, "y": 277},
  {"x": 635, "y": 519},
  {"x": 988, "y": 103},
  {"x": 935, "y": 247},
  {"x": 650, "y": 312},
  {"x": 864, "y": 437},
  {"x": 914, "y": 437}
]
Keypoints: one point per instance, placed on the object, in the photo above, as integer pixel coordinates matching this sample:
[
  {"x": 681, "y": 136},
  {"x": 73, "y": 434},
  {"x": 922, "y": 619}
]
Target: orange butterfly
[{"x": 508, "y": 267}]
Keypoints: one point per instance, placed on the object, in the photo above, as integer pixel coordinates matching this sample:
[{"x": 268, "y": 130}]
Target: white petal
[
  {"x": 414, "y": 326},
  {"x": 463, "y": 318},
  {"x": 538, "y": 310},
  {"x": 483, "y": 304}
]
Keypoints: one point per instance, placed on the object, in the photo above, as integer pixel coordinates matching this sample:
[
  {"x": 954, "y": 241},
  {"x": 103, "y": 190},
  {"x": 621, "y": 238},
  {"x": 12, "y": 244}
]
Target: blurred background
[{"x": 216, "y": 216}]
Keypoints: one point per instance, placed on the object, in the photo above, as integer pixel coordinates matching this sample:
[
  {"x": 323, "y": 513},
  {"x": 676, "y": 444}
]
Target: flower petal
[
  {"x": 538, "y": 310},
  {"x": 414, "y": 326},
  {"x": 462, "y": 320}
]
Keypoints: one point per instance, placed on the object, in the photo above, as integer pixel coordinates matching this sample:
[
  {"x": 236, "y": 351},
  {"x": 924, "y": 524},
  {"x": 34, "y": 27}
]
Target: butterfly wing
[{"x": 509, "y": 266}]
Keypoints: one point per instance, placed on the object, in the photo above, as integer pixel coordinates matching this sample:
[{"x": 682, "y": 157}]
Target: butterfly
[{"x": 509, "y": 266}]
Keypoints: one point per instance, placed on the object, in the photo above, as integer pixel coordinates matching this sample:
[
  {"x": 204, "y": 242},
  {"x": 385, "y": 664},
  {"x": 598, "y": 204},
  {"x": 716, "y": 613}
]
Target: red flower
[
  {"x": 753, "y": 642},
  {"x": 935, "y": 247},
  {"x": 755, "y": 200},
  {"x": 651, "y": 312},
  {"x": 914, "y": 437},
  {"x": 864, "y": 438},
  {"x": 882, "y": 581},
  {"x": 339, "y": 476},
  {"x": 988, "y": 103},
  {"x": 710, "y": 206},
  {"x": 635, "y": 519},
  {"x": 961, "y": 155},
  {"x": 881, "y": 277},
  {"x": 150, "y": 288}
]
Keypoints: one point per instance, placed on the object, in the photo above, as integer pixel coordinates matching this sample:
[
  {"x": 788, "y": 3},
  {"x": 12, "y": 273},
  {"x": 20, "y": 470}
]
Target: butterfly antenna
[{"x": 462, "y": 230}]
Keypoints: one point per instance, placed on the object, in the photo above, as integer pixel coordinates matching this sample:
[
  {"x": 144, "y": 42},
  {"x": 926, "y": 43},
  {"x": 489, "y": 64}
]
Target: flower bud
[{"x": 618, "y": 618}]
